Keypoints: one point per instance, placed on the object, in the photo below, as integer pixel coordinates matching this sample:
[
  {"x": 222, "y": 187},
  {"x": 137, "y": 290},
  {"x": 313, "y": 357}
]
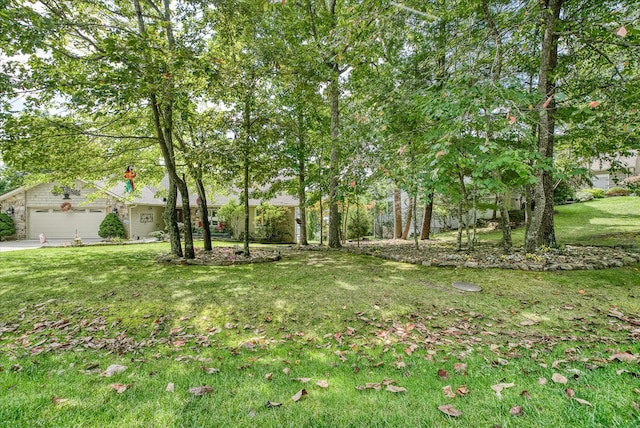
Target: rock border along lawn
[{"x": 441, "y": 254}]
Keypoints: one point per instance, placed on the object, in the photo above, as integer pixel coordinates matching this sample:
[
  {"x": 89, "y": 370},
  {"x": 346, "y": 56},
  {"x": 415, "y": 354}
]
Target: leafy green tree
[{"x": 274, "y": 223}]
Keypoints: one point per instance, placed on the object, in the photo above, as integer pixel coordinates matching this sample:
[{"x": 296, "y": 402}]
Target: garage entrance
[{"x": 58, "y": 224}]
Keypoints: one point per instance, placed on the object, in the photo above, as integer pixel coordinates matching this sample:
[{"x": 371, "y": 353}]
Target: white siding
[
  {"x": 144, "y": 220},
  {"x": 57, "y": 224}
]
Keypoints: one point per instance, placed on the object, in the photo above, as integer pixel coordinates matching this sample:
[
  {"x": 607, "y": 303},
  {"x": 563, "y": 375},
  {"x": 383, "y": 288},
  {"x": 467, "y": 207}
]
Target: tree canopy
[{"x": 466, "y": 99}]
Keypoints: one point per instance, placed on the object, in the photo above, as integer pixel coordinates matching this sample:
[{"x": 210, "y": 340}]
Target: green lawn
[
  {"x": 251, "y": 332},
  {"x": 607, "y": 221}
]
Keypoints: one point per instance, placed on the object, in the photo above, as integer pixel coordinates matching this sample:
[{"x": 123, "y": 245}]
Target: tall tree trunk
[
  {"x": 459, "y": 234},
  {"x": 245, "y": 191},
  {"x": 541, "y": 230},
  {"x": 397, "y": 213},
  {"x": 415, "y": 221},
  {"x": 321, "y": 221},
  {"x": 204, "y": 214},
  {"x": 427, "y": 214},
  {"x": 345, "y": 219},
  {"x": 163, "y": 125},
  {"x": 171, "y": 219},
  {"x": 302, "y": 196},
  {"x": 407, "y": 226},
  {"x": 334, "y": 162},
  {"x": 505, "y": 222}
]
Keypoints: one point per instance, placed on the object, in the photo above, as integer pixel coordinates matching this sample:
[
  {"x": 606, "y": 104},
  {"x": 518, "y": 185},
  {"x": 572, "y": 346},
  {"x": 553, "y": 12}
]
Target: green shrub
[
  {"x": 7, "y": 227},
  {"x": 232, "y": 215},
  {"x": 617, "y": 191},
  {"x": 583, "y": 196},
  {"x": 274, "y": 223},
  {"x": 563, "y": 192},
  {"x": 596, "y": 192},
  {"x": 111, "y": 227},
  {"x": 158, "y": 234},
  {"x": 360, "y": 222}
]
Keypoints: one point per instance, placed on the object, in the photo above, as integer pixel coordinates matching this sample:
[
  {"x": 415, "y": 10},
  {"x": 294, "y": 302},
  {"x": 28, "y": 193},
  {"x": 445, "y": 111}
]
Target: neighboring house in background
[
  {"x": 65, "y": 212},
  {"x": 603, "y": 178}
]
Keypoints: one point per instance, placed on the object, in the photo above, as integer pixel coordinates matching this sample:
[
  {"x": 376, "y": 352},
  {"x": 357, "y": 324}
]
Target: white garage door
[{"x": 57, "y": 224}]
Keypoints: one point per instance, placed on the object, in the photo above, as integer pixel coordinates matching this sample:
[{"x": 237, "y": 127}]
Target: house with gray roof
[{"x": 65, "y": 212}]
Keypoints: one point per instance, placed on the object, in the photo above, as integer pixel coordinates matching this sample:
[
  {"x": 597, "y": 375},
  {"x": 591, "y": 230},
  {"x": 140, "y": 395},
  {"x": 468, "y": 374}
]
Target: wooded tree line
[{"x": 323, "y": 98}]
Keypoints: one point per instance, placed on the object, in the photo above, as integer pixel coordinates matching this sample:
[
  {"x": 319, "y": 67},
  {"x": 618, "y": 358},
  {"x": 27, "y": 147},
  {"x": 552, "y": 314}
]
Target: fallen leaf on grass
[
  {"x": 272, "y": 404},
  {"x": 460, "y": 367},
  {"x": 268, "y": 376},
  {"x": 556, "y": 364},
  {"x": 515, "y": 411},
  {"x": 298, "y": 395},
  {"x": 210, "y": 370},
  {"x": 558, "y": 378},
  {"x": 119, "y": 387},
  {"x": 570, "y": 392},
  {"x": 636, "y": 406},
  {"x": 59, "y": 401},
  {"x": 528, "y": 322},
  {"x": 624, "y": 357},
  {"x": 322, "y": 384},
  {"x": 448, "y": 409},
  {"x": 581, "y": 401},
  {"x": 170, "y": 387},
  {"x": 113, "y": 369},
  {"x": 499, "y": 387},
  {"x": 448, "y": 392},
  {"x": 462, "y": 390},
  {"x": 394, "y": 389},
  {"x": 443, "y": 374},
  {"x": 542, "y": 381},
  {"x": 201, "y": 390},
  {"x": 302, "y": 379},
  {"x": 286, "y": 370}
]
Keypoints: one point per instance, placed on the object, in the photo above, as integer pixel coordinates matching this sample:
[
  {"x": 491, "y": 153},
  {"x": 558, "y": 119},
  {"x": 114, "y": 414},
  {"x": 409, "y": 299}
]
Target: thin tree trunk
[
  {"x": 407, "y": 226},
  {"x": 334, "y": 163},
  {"x": 415, "y": 221},
  {"x": 321, "y": 220},
  {"x": 204, "y": 214},
  {"x": 541, "y": 230},
  {"x": 427, "y": 214},
  {"x": 397, "y": 213},
  {"x": 171, "y": 219},
  {"x": 302, "y": 196},
  {"x": 345, "y": 219},
  {"x": 245, "y": 185},
  {"x": 459, "y": 235},
  {"x": 507, "y": 242}
]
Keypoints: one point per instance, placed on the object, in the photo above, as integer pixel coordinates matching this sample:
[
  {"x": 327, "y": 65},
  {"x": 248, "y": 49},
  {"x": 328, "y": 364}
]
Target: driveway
[{"x": 31, "y": 244}]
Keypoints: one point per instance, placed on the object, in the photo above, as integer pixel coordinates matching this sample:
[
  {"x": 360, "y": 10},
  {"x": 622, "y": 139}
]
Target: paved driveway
[{"x": 31, "y": 244}]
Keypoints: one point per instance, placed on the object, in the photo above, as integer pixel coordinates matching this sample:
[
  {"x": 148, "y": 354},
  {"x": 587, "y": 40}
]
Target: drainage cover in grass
[{"x": 466, "y": 286}]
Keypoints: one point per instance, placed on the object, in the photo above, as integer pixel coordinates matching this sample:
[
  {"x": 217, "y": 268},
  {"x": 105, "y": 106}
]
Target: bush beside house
[
  {"x": 111, "y": 227},
  {"x": 7, "y": 226}
]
